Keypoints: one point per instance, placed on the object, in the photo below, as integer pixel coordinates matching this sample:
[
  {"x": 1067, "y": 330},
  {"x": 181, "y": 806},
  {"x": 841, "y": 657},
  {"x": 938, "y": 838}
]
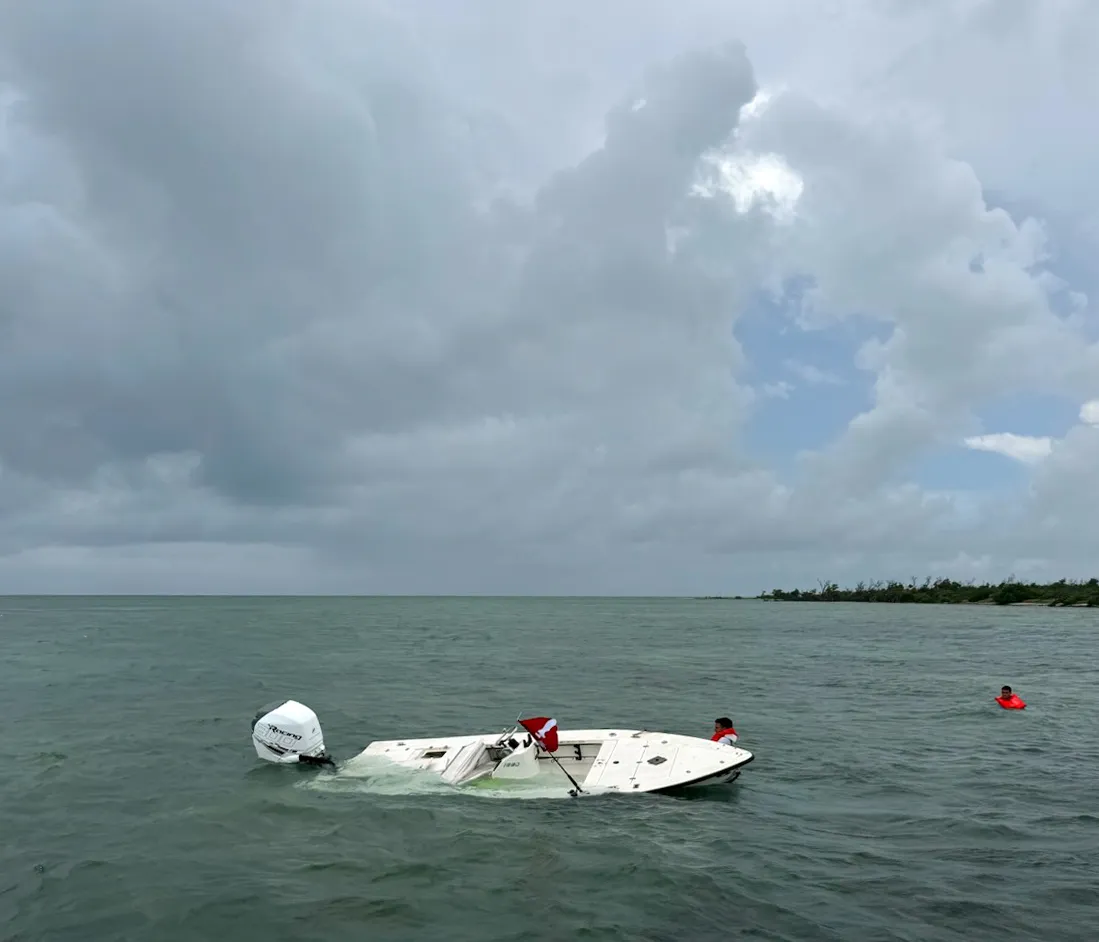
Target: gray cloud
[
  {"x": 290, "y": 256},
  {"x": 389, "y": 292}
]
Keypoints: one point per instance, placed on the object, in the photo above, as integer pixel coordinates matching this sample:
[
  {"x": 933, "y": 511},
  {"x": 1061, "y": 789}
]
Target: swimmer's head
[{"x": 1005, "y": 691}]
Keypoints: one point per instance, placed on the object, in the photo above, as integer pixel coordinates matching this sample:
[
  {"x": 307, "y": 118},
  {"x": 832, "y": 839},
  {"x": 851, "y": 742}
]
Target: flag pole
[{"x": 576, "y": 788}]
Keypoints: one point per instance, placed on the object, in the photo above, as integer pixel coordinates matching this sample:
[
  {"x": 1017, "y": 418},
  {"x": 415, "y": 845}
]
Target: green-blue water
[{"x": 890, "y": 798}]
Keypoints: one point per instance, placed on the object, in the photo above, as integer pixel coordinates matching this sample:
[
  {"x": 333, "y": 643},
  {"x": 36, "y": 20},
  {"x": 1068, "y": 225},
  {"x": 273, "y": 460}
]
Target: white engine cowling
[{"x": 287, "y": 732}]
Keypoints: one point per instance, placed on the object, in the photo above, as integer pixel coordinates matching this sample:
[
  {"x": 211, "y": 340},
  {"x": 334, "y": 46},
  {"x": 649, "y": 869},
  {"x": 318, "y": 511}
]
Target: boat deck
[{"x": 604, "y": 760}]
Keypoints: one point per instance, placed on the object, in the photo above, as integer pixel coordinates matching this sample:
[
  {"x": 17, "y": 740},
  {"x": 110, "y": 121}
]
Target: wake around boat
[{"x": 534, "y": 751}]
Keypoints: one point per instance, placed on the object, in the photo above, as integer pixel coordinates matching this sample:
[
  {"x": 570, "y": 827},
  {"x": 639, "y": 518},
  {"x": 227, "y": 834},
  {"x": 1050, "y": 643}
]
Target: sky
[{"x": 713, "y": 297}]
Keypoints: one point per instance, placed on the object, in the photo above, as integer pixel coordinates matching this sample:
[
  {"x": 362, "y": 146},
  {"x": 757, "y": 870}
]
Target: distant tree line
[{"x": 948, "y": 592}]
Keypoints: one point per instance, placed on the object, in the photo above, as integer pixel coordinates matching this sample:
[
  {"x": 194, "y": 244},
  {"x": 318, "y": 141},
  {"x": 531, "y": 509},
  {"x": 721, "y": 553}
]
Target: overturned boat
[{"x": 581, "y": 762}]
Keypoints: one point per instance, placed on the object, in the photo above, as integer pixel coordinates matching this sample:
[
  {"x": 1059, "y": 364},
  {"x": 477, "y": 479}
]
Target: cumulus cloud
[
  {"x": 381, "y": 297},
  {"x": 1031, "y": 449},
  {"x": 1026, "y": 448}
]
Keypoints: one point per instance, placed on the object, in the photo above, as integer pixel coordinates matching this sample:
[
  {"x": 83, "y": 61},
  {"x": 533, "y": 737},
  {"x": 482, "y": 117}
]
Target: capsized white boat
[{"x": 584, "y": 762}]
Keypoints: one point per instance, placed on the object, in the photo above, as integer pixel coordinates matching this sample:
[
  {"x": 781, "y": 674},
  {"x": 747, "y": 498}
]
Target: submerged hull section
[{"x": 600, "y": 760}]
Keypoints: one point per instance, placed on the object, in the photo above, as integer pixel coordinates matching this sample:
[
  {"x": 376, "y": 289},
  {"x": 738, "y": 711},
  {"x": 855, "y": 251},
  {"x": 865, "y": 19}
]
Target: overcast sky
[{"x": 618, "y": 297}]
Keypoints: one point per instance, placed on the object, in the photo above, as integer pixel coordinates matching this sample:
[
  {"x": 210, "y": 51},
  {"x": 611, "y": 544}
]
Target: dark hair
[
  {"x": 1005, "y": 687},
  {"x": 724, "y": 722}
]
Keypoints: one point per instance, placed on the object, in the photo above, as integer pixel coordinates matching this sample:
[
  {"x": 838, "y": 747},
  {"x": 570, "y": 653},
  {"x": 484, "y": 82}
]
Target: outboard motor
[{"x": 288, "y": 732}]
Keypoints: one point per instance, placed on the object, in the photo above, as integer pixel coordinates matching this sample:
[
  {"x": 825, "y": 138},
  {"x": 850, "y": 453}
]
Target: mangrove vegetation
[{"x": 1064, "y": 592}]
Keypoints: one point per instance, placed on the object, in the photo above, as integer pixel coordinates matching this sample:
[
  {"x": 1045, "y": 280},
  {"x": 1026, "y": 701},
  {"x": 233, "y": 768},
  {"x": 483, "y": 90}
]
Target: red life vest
[
  {"x": 1014, "y": 702},
  {"x": 726, "y": 736}
]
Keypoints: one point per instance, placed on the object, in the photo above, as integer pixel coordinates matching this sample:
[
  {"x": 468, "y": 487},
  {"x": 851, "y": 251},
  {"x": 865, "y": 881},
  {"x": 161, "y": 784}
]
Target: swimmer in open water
[{"x": 1010, "y": 700}]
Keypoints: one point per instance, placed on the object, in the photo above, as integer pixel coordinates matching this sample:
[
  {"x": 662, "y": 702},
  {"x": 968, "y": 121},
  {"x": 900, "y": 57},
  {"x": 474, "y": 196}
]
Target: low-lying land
[{"x": 1061, "y": 594}]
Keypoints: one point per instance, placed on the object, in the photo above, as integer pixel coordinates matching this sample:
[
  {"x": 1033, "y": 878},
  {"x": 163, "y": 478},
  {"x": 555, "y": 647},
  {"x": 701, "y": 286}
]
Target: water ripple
[{"x": 889, "y": 799}]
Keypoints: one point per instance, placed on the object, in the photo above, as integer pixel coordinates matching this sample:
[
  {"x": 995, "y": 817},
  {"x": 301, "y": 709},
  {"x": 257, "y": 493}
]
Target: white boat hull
[{"x": 600, "y": 761}]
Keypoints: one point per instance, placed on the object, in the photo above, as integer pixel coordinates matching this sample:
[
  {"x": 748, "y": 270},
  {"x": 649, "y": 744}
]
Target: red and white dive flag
[{"x": 543, "y": 729}]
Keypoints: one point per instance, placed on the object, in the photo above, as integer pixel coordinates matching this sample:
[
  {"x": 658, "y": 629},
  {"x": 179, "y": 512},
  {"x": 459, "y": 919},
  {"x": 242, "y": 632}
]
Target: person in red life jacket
[
  {"x": 1009, "y": 700},
  {"x": 723, "y": 731}
]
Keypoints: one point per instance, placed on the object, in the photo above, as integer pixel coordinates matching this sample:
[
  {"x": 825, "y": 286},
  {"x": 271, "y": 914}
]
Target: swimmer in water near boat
[{"x": 1010, "y": 700}]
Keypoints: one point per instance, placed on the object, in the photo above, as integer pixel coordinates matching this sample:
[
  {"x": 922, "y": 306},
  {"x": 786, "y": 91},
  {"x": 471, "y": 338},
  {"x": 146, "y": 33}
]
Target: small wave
[{"x": 369, "y": 776}]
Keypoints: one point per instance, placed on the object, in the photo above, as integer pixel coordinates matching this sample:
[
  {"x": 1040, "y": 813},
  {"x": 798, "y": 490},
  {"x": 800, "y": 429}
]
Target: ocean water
[{"x": 890, "y": 798}]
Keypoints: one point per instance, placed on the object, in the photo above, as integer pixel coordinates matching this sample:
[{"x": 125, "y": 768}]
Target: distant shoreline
[
  {"x": 1039, "y": 603},
  {"x": 1060, "y": 594}
]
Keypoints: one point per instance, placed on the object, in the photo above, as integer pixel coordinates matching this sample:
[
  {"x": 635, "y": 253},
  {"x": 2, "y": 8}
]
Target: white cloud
[
  {"x": 751, "y": 180},
  {"x": 1032, "y": 449},
  {"x": 1026, "y": 448},
  {"x": 813, "y": 375},
  {"x": 778, "y": 390}
]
